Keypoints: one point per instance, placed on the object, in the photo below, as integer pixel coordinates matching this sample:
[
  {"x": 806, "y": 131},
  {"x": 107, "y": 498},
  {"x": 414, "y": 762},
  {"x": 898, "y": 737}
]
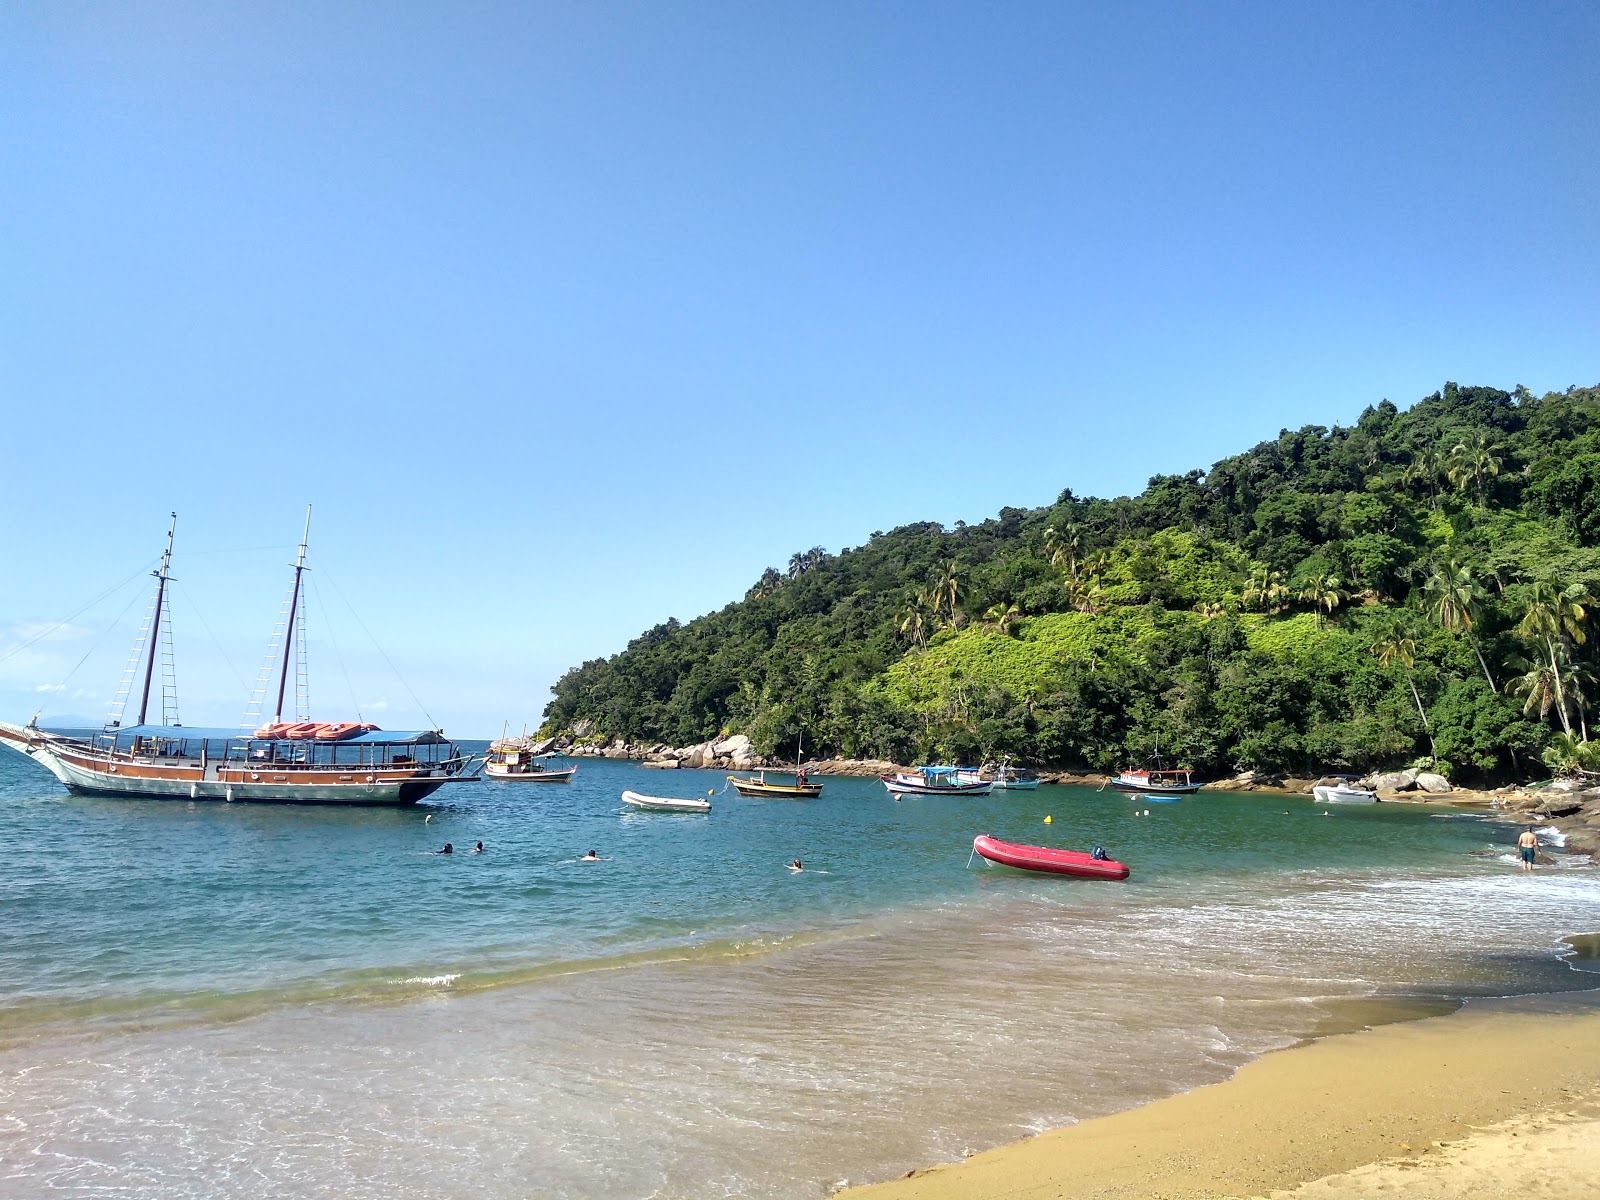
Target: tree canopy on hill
[{"x": 1419, "y": 585}]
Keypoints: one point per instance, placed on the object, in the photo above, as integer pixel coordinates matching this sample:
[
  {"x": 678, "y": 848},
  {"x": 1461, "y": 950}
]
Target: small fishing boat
[
  {"x": 665, "y": 803},
  {"x": 758, "y": 785},
  {"x": 512, "y": 760},
  {"x": 1004, "y": 778},
  {"x": 933, "y": 781},
  {"x": 1157, "y": 784},
  {"x": 1047, "y": 859},
  {"x": 1346, "y": 791}
]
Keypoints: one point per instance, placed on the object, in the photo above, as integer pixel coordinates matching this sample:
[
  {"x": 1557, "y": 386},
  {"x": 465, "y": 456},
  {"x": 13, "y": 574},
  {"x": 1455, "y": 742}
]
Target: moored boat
[
  {"x": 1003, "y": 778},
  {"x": 759, "y": 785},
  {"x": 1047, "y": 859},
  {"x": 1344, "y": 793},
  {"x": 1156, "y": 784},
  {"x": 512, "y": 760},
  {"x": 933, "y": 781},
  {"x": 297, "y": 761},
  {"x": 665, "y": 803}
]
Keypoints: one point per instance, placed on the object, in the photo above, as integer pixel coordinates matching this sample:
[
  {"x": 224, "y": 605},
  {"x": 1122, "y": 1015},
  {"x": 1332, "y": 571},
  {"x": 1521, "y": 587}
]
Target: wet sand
[{"x": 1501, "y": 1099}]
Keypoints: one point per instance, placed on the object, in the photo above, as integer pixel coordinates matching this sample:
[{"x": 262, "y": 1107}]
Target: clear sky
[{"x": 570, "y": 317}]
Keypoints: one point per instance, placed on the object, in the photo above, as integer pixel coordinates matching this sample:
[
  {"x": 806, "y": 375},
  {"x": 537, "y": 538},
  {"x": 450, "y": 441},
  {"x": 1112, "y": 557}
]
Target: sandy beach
[{"x": 1501, "y": 1099}]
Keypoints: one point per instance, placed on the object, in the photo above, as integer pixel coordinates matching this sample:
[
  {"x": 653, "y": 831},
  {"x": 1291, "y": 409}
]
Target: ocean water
[{"x": 228, "y": 1000}]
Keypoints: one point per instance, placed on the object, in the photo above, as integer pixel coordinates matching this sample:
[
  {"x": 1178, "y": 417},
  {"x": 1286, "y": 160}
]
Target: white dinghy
[{"x": 665, "y": 803}]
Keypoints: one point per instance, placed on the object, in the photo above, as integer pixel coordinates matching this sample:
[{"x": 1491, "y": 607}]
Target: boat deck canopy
[{"x": 194, "y": 733}]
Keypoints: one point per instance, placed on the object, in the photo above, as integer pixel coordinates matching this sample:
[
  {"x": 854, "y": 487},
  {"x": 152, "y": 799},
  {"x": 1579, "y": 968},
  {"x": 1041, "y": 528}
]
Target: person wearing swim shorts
[{"x": 1528, "y": 844}]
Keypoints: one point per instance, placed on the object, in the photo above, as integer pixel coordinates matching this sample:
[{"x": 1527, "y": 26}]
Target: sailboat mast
[
  {"x": 155, "y": 620},
  {"x": 294, "y": 604}
]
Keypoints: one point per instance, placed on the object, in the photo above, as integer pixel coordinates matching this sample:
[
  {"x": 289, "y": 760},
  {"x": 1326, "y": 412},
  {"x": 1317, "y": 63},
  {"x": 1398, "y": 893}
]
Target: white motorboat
[
  {"x": 665, "y": 803},
  {"x": 1343, "y": 793}
]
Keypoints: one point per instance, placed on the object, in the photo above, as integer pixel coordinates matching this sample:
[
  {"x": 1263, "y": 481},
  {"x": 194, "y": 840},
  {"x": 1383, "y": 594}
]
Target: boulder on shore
[
  {"x": 1395, "y": 781},
  {"x": 1427, "y": 781}
]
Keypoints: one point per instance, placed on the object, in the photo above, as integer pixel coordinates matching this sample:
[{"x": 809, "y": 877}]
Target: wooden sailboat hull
[
  {"x": 85, "y": 771},
  {"x": 792, "y": 791}
]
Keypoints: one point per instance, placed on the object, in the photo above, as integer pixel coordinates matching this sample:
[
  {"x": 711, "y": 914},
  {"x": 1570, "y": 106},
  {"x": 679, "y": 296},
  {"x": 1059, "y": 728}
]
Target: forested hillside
[{"x": 1420, "y": 584}]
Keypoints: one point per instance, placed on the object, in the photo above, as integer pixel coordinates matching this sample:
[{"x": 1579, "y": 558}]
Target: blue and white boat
[{"x": 933, "y": 781}]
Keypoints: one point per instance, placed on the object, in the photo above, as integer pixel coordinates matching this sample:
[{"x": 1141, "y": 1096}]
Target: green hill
[{"x": 1416, "y": 585}]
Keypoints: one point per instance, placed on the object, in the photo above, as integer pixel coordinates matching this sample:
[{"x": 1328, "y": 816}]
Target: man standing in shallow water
[{"x": 1528, "y": 844}]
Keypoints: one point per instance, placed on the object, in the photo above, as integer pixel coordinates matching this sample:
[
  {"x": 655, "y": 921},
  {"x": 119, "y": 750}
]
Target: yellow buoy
[{"x": 1047, "y": 820}]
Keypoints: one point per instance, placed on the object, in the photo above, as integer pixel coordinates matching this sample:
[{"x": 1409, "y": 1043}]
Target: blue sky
[{"x": 572, "y": 317}]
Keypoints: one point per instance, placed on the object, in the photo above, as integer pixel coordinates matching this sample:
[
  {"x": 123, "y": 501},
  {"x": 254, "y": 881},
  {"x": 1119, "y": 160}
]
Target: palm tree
[
  {"x": 946, "y": 591},
  {"x": 1397, "y": 650},
  {"x": 1473, "y": 462},
  {"x": 1567, "y": 756},
  {"x": 1555, "y": 615},
  {"x": 1426, "y": 466},
  {"x": 1539, "y": 684},
  {"x": 1454, "y": 598},
  {"x": 1323, "y": 591},
  {"x": 914, "y": 619},
  {"x": 1265, "y": 590},
  {"x": 1061, "y": 549},
  {"x": 764, "y": 587},
  {"x": 1001, "y": 617}
]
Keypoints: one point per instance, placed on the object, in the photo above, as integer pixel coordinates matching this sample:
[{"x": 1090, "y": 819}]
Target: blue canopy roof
[{"x": 376, "y": 737}]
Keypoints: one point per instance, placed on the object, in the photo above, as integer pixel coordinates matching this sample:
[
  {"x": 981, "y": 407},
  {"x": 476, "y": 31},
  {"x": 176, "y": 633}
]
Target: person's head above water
[
  {"x": 448, "y": 849},
  {"x": 591, "y": 854},
  {"x": 478, "y": 849}
]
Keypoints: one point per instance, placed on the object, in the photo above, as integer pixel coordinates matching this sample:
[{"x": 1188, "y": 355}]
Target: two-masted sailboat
[{"x": 293, "y": 762}]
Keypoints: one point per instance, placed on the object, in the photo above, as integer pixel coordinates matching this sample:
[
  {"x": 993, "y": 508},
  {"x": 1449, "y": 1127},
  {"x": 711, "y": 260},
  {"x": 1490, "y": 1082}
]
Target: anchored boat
[
  {"x": 665, "y": 803},
  {"x": 1047, "y": 859},
  {"x": 512, "y": 760},
  {"x": 759, "y": 785},
  {"x": 1158, "y": 785},
  {"x": 934, "y": 781},
  {"x": 303, "y": 761}
]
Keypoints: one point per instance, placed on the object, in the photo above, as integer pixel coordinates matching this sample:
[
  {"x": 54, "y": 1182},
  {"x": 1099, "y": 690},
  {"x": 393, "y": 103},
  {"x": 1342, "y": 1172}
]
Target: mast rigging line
[
  {"x": 144, "y": 569},
  {"x": 99, "y": 641},
  {"x": 322, "y": 606},
  {"x": 215, "y": 641},
  {"x": 338, "y": 591}
]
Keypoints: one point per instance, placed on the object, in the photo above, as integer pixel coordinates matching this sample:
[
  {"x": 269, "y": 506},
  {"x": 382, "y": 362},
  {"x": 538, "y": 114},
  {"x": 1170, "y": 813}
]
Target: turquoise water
[
  {"x": 212, "y": 999},
  {"x": 159, "y": 901}
]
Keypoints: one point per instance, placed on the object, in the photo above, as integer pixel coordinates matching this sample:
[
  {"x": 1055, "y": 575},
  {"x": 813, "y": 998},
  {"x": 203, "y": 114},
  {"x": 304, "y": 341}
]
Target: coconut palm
[
  {"x": 1567, "y": 756},
  {"x": 1323, "y": 592},
  {"x": 1454, "y": 598},
  {"x": 1539, "y": 683},
  {"x": 915, "y": 617},
  {"x": 1265, "y": 590},
  {"x": 1001, "y": 618},
  {"x": 1426, "y": 466},
  {"x": 1396, "y": 650},
  {"x": 1061, "y": 549},
  {"x": 1554, "y": 615},
  {"x": 1472, "y": 462},
  {"x": 945, "y": 594}
]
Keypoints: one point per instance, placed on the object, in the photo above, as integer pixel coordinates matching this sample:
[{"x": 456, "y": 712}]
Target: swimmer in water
[
  {"x": 478, "y": 849},
  {"x": 590, "y": 857},
  {"x": 797, "y": 865},
  {"x": 448, "y": 849},
  {"x": 428, "y": 820}
]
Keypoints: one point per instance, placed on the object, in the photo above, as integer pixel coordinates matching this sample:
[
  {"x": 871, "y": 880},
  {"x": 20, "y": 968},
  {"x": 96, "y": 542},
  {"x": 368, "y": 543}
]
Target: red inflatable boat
[{"x": 1043, "y": 858}]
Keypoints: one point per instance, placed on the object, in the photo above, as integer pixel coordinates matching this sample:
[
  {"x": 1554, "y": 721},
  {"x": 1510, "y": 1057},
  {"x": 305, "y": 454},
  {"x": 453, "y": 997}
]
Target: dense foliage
[{"x": 1415, "y": 586}]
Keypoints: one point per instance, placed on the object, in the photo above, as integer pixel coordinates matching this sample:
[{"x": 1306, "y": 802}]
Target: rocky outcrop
[
  {"x": 1394, "y": 781},
  {"x": 1427, "y": 781}
]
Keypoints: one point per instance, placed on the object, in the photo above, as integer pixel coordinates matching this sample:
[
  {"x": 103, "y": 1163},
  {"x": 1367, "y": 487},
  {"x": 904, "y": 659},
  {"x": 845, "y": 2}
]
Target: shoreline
[{"x": 1501, "y": 1098}]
